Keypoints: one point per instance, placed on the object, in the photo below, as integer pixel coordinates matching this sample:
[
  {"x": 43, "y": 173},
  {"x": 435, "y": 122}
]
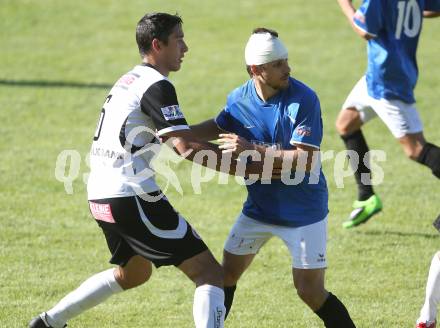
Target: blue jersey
[
  {"x": 396, "y": 25},
  {"x": 292, "y": 116}
]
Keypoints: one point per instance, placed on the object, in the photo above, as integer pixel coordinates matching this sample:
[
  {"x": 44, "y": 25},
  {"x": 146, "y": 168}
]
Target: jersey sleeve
[
  {"x": 369, "y": 17},
  {"x": 224, "y": 119},
  {"x": 160, "y": 103},
  {"x": 432, "y": 5},
  {"x": 308, "y": 131}
]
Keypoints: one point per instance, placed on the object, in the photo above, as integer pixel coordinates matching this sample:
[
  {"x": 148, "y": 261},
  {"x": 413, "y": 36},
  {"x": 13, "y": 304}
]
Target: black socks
[
  {"x": 229, "y": 298},
  {"x": 430, "y": 156},
  {"x": 334, "y": 314},
  {"x": 356, "y": 142}
]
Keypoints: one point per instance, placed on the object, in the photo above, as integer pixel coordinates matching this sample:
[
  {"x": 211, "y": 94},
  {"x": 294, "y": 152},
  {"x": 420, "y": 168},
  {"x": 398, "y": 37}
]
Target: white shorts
[
  {"x": 307, "y": 244},
  {"x": 400, "y": 118}
]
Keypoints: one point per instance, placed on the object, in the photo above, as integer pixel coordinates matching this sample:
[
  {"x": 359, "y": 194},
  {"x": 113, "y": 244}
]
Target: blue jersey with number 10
[{"x": 395, "y": 24}]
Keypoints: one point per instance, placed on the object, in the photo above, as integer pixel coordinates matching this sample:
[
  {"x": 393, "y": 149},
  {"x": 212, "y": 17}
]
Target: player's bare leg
[
  {"x": 348, "y": 125},
  {"x": 207, "y": 274},
  {"x": 417, "y": 149},
  {"x": 412, "y": 145},
  {"x": 309, "y": 284},
  {"x": 233, "y": 267},
  {"x": 136, "y": 272},
  {"x": 96, "y": 290},
  {"x": 348, "y": 121}
]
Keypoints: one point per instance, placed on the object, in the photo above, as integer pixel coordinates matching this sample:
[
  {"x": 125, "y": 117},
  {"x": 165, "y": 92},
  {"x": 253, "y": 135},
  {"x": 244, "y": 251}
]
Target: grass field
[{"x": 58, "y": 60}]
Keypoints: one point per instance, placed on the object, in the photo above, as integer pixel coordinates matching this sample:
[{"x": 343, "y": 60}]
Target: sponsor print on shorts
[
  {"x": 321, "y": 258},
  {"x": 102, "y": 212}
]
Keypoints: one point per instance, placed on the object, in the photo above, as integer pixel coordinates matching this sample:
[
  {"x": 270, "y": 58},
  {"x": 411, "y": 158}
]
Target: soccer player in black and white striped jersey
[{"x": 140, "y": 225}]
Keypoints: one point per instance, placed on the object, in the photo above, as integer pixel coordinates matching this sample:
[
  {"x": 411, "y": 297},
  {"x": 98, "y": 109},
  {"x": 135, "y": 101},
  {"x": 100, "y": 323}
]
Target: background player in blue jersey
[
  {"x": 392, "y": 29},
  {"x": 276, "y": 116}
]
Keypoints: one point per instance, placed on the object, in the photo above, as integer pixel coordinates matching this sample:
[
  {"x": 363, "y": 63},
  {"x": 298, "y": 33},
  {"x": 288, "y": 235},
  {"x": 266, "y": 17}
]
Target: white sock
[
  {"x": 209, "y": 309},
  {"x": 432, "y": 298},
  {"x": 91, "y": 292}
]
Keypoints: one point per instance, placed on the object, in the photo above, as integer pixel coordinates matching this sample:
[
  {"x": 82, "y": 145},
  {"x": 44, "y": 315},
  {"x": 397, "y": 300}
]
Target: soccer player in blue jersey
[
  {"x": 392, "y": 29},
  {"x": 276, "y": 116}
]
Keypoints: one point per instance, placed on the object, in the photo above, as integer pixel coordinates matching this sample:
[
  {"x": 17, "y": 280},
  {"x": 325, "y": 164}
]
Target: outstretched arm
[
  {"x": 299, "y": 159},
  {"x": 185, "y": 143},
  {"x": 349, "y": 12},
  {"x": 207, "y": 130},
  {"x": 431, "y": 14}
]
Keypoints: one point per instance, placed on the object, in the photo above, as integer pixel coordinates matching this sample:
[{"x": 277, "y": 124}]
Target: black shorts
[{"x": 153, "y": 230}]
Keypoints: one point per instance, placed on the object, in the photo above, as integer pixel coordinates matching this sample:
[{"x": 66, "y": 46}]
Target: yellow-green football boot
[{"x": 363, "y": 211}]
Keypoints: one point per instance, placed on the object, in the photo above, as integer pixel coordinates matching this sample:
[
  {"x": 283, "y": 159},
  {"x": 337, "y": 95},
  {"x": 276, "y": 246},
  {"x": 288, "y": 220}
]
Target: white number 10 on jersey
[{"x": 409, "y": 18}]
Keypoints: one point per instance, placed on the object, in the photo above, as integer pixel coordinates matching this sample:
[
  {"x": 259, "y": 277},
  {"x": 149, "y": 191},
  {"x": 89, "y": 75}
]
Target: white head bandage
[{"x": 263, "y": 48}]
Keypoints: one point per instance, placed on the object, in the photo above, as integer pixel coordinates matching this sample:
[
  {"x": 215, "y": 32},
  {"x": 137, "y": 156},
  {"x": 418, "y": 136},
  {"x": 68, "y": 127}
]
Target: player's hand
[{"x": 232, "y": 143}]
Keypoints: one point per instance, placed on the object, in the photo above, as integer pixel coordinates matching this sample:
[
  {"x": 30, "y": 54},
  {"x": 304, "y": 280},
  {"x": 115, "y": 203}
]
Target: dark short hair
[
  {"x": 155, "y": 26},
  {"x": 261, "y": 30}
]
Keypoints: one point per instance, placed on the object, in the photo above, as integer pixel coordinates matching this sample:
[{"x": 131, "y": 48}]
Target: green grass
[{"x": 48, "y": 242}]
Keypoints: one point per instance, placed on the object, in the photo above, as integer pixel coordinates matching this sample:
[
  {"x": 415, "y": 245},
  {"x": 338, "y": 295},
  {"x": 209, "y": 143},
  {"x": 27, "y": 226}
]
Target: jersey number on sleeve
[
  {"x": 101, "y": 119},
  {"x": 409, "y": 18}
]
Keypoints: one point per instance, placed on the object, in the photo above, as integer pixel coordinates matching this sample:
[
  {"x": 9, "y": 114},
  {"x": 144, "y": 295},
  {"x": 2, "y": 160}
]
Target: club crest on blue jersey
[
  {"x": 172, "y": 112},
  {"x": 303, "y": 130}
]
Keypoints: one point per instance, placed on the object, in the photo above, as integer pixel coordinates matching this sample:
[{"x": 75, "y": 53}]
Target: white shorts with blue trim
[
  {"x": 401, "y": 118},
  {"x": 307, "y": 244}
]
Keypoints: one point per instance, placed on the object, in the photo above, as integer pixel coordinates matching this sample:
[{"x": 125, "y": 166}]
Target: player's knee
[
  {"x": 304, "y": 291},
  {"x": 231, "y": 275},
  {"x": 310, "y": 287},
  {"x": 412, "y": 153},
  {"x": 128, "y": 280},
  {"x": 212, "y": 275},
  {"x": 136, "y": 272},
  {"x": 413, "y": 145},
  {"x": 341, "y": 126},
  {"x": 348, "y": 121},
  {"x": 312, "y": 295},
  {"x": 203, "y": 269}
]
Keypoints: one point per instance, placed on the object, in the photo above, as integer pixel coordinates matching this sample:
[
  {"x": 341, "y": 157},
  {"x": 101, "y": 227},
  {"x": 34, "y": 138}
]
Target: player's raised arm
[
  {"x": 431, "y": 14},
  {"x": 351, "y": 14},
  {"x": 431, "y": 9}
]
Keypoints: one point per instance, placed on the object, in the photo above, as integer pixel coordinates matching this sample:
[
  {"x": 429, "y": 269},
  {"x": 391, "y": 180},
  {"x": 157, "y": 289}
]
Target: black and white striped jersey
[{"x": 141, "y": 106}]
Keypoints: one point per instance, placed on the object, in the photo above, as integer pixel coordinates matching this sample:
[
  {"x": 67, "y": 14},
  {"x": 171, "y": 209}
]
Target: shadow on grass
[
  {"x": 54, "y": 84},
  {"x": 399, "y": 234}
]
